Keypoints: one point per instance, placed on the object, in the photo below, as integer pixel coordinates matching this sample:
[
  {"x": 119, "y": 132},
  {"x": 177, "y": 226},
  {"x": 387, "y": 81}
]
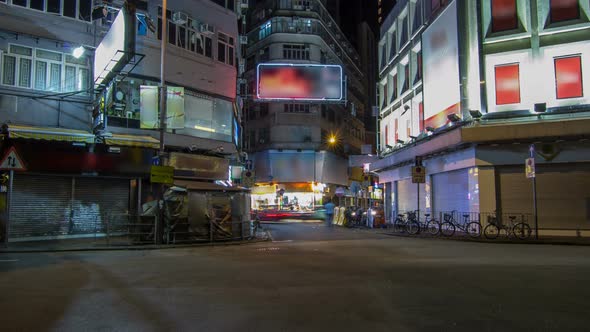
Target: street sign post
[
  {"x": 162, "y": 174},
  {"x": 418, "y": 174},
  {"x": 530, "y": 173}
]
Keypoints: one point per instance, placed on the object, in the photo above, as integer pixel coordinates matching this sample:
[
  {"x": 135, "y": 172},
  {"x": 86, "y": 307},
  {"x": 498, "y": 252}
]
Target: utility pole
[{"x": 163, "y": 95}]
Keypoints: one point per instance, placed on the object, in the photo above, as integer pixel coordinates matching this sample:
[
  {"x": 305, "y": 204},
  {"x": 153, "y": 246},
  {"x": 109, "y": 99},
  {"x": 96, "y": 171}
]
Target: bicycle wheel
[
  {"x": 412, "y": 227},
  {"x": 491, "y": 231},
  {"x": 399, "y": 227},
  {"x": 433, "y": 227},
  {"x": 521, "y": 231},
  {"x": 473, "y": 229},
  {"x": 447, "y": 229}
]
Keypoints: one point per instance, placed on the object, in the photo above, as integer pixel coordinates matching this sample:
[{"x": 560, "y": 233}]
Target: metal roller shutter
[
  {"x": 407, "y": 195},
  {"x": 96, "y": 199},
  {"x": 41, "y": 206},
  {"x": 563, "y": 194},
  {"x": 451, "y": 192}
]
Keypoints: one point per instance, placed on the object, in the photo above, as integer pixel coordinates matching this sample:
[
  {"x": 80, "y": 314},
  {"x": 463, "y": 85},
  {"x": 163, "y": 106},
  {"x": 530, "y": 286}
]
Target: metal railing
[{"x": 129, "y": 229}]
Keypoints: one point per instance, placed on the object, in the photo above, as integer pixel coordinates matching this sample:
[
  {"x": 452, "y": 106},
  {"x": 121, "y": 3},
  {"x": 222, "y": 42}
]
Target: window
[
  {"x": 43, "y": 70},
  {"x": 295, "y": 52},
  {"x": 265, "y": 30},
  {"x": 568, "y": 77},
  {"x": 564, "y": 10},
  {"x": 406, "y": 84},
  {"x": 225, "y": 48},
  {"x": 395, "y": 130},
  {"x": 383, "y": 55},
  {"x": 417, "y": 16},
  {"x": 70, "y": 7},
  {"x": 507, "y": 84},
  {"x": 296, "y": 108},
  {"x": 385, "y": 101},
  {"x": 418, "y": 65},
  {"x": 187, "y": 37},
  {"x": 393, "y": 46},
  {"x": 386, "y": 135},
  {"x": 403, "y": 38},
  {"x": 394, "y": 92},
  {"x": 504, "y": 15}
]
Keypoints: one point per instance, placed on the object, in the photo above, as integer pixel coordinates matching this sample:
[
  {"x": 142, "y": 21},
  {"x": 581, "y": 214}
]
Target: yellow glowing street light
[{"x": 332, "y": 139}]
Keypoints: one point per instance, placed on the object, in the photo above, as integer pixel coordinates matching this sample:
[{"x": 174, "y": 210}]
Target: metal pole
[
  {"x": 532, "y": 155},
  {"x": 163, "y": 95},
  {"x": 535, "y": 207},
  {"x": 418, "y": 198},
  {"x": 314, "y": 184},
  {"x": 162, "y": 77},
  {"x": 8, "y": 207}
]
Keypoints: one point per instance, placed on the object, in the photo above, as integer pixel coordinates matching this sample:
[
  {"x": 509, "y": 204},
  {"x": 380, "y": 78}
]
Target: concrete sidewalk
[
  {"x": 91, "y": 244},
  {"x": 549, "y": 240}
]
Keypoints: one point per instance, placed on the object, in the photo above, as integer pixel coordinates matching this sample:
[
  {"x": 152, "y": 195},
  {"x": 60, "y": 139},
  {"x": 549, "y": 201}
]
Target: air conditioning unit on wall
[
  {"x": 244, "y": 40},
  {"x": 179, "y": 18},
  {"x": 207, "y": 29}
]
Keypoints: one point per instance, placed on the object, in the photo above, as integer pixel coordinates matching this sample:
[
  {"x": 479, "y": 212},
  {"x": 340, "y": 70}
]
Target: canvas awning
[
  {"x": 132, "y": 140},
  {"x": 49, "y": 134}
]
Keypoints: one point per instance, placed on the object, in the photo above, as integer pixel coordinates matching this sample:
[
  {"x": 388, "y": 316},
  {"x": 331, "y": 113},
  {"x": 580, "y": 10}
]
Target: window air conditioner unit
[
  {"x": 244, "y": 4},
  {"x": 179, "y": 18},
  {"x": 207, "y": 29},
  {"x": 244, "y": 40}
]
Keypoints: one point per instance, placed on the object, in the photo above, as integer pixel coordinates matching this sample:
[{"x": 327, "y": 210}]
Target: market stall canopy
[
  {"x": 206, "y": 186},
  {"x": 132, "y": 140},
  {"x": 48, "y": 133}
]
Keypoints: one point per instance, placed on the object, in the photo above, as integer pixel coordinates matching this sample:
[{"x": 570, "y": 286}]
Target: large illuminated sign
[
  {"x": 278, "y": 81},
  {"x": 440, "y": 47},
  {"x": 116, "y": 48}
]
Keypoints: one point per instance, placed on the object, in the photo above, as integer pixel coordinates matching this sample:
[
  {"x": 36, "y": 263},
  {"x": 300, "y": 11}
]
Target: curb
[
  {"x": 499, "y": 241},
  {"x": 130, "y": 248}
]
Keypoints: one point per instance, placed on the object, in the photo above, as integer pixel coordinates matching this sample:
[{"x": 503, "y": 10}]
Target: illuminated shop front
[{"x": 290, "y": 196}]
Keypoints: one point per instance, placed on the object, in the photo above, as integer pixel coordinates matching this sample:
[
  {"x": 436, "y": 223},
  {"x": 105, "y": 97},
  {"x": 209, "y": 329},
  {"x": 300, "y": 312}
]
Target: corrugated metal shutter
[
  {"x": 407, "y": 195},
  {"x": 563, "y": 194},
  {"x": 450, "y": 191},
  {"x": 96, "y": 199},
  {"x": 41, "y": 206}
]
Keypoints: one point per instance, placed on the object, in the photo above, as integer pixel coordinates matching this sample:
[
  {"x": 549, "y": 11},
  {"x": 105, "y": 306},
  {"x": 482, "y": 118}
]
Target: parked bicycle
[
  {"x": 407, "y": 223},
  {"x": 450, "y": 225},
  {"x": 431, "y": 225},
  {"x": 519, "y": 229}
]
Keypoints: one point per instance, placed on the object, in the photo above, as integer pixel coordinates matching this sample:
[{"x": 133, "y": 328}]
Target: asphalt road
[{"x": 311, "y": 279}]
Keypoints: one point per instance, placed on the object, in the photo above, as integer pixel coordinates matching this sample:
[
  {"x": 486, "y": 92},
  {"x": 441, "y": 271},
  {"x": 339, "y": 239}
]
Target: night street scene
[{"x": 294, "y": 165}]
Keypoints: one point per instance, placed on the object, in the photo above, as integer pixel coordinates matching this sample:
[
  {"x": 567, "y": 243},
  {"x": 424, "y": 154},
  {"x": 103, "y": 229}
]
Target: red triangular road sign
[{"x": 12, "y": 161}]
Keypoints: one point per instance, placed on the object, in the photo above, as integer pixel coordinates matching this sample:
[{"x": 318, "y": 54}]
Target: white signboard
[{"x": 440, "y": 49}]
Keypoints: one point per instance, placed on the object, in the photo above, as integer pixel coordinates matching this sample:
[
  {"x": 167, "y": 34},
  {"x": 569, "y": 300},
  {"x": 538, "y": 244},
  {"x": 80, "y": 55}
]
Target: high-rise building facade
[
  {"x": 301, "y": 146},
  {"x": 470, "y": 90}
]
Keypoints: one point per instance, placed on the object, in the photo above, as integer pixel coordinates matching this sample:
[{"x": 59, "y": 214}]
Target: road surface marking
[{"x": 8, "y": 260}]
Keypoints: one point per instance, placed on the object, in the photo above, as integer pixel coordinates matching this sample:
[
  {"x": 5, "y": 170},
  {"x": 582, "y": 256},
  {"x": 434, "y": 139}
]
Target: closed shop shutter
[
  {"x": 406, "y": 195},
  {"x": 563, "y": 194},
  {"x": 41, "y": 206},
  {"x": 96, "y": 199},
  {"x": 450, "y": 191}
]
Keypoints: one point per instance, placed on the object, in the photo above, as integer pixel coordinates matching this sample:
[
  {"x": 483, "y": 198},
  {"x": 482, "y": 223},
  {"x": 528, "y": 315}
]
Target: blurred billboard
[{"x": 299, "y": 82}]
